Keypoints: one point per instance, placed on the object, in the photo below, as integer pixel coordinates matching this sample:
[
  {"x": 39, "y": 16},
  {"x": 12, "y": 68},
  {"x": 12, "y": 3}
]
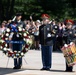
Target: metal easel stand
[
  {"x": 24, "y": 61},
  {"x": 7, "y": 62}
]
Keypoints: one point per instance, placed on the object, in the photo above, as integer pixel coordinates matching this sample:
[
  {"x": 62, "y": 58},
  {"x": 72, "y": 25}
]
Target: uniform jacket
[
  {"x": 21, "y": 24},
  {"x": 45, "y": 35},
  {"x": 69, "y": 35}
]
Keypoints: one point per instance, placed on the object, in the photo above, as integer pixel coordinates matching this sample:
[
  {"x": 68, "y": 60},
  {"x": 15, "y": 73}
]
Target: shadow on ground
[{"x": 4, "y": 71}]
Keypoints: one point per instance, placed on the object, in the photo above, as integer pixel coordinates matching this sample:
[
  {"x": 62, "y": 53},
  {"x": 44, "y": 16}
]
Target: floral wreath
[{"x": 5, "y": 37}]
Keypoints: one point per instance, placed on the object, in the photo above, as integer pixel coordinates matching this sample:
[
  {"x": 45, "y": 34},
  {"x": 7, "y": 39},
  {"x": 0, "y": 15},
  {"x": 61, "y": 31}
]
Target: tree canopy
[{"x": 61, "y": 9}]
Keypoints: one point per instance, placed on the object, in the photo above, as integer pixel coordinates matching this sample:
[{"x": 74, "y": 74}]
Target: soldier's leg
[
  {"x": 69, "y": 68},
  {"x": 15, "y": 63}
]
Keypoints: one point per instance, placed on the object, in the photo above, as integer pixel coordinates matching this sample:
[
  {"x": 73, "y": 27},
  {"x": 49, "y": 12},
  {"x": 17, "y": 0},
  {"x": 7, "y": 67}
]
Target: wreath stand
[{"x": 9, "y": 60}]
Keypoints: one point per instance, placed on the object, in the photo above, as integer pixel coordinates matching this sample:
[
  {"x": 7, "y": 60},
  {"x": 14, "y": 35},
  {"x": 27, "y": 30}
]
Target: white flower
[
  {"x": 15, "y": 51},
  {"x": 29, "y": 36},
  {"x": 27, "y": 40},
  {"x": 6, "y": 38},
  {"x": 65, "y": 45},
  {"x": 19, "y": 51},
  {"x": 20, "y": 29},
  {"x": 14, "y": 57},
  {"x": 5, "y": 45},
  {"x": 8, "y": 30},
  {"x": 24, "y": 39},
  {"x": 2, "y": 36},
  {"x": 7, "y": 34},
  {"x": 2, "y": 41},
  {"x": 4, "y": 49},
  {"x": 25, "y": 34},
  {"x": 1, "y": 47},
  {"x": 23, "y": 29},
  {"x": 22, "y": 54},
  {"x": 71, "y": 43}
]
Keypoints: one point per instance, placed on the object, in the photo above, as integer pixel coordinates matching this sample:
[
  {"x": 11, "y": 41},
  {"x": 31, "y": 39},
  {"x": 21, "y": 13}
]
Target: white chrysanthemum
[
  {"x": 71, "y": 43},
  {"x": 1, "y": 47},
  {"x": 27, "y": 40},
  {"x": 14, "y": 57},
  {"x": 24, "y": 34},
  {"x": 8, "y": 30},
  {"x": 7, "y": 34},
  {"x": 4, "y": 49},
  {"x": 23, "y": 29},
  {"x": 6, "y": 38},
  {"x": 30, "y": 42},
  {"x": 2, "y": 41},
  {"x": 15, "y": 51},
  {"x": 65, "y": 45},
  {"x": 5, "y": 45},
  {"x": 29, "y": 36},
  {"x": 19, "y": 51},
  {"x": 24, "y": 39},
  {"x": 20, "y": 29},
  {"x": 2, "y": 36},
  {"x": 22, "y": 54}
]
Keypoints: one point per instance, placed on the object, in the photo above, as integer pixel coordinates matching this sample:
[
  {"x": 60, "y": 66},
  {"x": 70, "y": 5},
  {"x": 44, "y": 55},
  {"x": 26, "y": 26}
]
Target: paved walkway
[{"x": 32, "y": 65}]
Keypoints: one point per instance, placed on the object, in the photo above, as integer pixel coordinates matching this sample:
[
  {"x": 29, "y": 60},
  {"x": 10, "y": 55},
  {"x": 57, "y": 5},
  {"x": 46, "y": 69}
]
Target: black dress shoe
[
  {"x": 43, "y": 69},
  {"x": 15, "y": 67},
  {"x": 68, "y": 71},
  {"x": 19, "y": 67},
  {"x": 48, "y": 69}
]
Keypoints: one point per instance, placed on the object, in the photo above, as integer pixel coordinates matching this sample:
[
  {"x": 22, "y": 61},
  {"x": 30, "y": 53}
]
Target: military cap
[
  {"x": 45, "y": 16},
  {"x": 18, "y": 14},
  {"x": 69, "y": 22}
]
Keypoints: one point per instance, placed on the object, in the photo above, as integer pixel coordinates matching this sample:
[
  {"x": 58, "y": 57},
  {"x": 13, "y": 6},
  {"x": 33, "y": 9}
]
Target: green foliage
[{"x": 61, "y": 9}]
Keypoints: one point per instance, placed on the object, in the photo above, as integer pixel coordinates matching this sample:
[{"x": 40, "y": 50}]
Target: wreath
[{"x": 4, "y": 41}]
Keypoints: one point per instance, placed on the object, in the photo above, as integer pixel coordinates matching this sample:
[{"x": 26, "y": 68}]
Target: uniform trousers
[
  {"x": 17, "y": 61},
  {"x": 46, "y": 56}
]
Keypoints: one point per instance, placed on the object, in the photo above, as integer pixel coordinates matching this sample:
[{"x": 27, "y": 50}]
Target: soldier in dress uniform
[
  {"x": 17, "y": 37},
  {"x": 69, "y": 36},
  {"x": 46, "y": 41}
]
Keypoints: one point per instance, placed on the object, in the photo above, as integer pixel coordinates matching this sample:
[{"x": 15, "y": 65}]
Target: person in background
[
  {"x": 3, "y": 27},
  {"x": 55, "y": 29},
  {"x": 36, "y": 34},
  {"x": 46, "y": 41}
]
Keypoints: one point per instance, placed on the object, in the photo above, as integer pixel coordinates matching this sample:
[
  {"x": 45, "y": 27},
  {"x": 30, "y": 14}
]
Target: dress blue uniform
[{"x": 17, "y": 37}]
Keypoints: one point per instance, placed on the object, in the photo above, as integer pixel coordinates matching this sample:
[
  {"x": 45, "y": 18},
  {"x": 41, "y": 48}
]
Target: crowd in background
[{"x": 33, "y": 28}]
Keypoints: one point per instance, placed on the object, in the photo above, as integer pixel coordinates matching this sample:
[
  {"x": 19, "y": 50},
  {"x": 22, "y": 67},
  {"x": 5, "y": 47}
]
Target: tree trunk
[
  {"x": 7, "y": 9},
  {"x": 0, "y": 9},
  {"x": 11, "y": 12}
]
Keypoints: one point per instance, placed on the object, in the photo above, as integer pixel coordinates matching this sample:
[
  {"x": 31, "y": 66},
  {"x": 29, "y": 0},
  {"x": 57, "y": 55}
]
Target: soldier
[
  {"x": 46, "y": 41},
  {"x": 17, "y": 37},
  {"x": 69, "y": 36}
]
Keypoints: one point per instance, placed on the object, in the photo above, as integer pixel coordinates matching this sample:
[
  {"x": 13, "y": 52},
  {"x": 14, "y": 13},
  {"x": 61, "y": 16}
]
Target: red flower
[{"x": 26, "y": 46}]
